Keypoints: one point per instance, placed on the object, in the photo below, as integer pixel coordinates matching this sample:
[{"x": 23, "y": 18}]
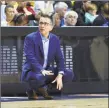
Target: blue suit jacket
[{"x": 33, "y": 50}]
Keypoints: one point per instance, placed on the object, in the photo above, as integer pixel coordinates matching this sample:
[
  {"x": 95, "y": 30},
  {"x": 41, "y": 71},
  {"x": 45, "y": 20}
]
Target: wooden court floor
[{"x": 57, "y": 102}]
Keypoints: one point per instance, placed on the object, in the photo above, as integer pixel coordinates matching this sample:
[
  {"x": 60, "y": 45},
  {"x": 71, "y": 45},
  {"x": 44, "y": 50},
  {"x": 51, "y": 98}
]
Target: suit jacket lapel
[
  {"x": 40, "y": 43},
  {"x": 50, "y": 47}
]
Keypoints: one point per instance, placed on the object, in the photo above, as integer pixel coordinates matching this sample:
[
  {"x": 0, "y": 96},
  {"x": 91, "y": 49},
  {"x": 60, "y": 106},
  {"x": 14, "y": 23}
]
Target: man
[
  {"x": 70, "y": 19},
  {"x": 61, "y": 8},
  {"x": 9, "y": 11},
  {"x": 41, "y": 48},
  {"x": 81, "y": 7}
]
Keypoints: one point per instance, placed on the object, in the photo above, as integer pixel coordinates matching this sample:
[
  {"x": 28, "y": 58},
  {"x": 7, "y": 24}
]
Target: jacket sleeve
[
  {"x": 59, "y": 58},
  {"x": 30, "y": 54}
]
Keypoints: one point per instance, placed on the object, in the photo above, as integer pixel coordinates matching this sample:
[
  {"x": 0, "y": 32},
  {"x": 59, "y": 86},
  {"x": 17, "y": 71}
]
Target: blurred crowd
[{"x": 63, "y": 14}]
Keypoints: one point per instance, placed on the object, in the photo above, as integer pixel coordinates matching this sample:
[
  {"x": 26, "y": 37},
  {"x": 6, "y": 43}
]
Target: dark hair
[
  {"x": 8, "y": 6},
  {"x": 18, "y": 19},
  {"x": 28, "y": 4},
  {"x": 20, "y": 9},
  {"x": 47, "y": 16}
]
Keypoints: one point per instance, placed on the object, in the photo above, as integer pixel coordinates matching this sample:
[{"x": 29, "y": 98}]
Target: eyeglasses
[
  {"x": 72, "y": 16},
  {"x": 44, "y": 23}
]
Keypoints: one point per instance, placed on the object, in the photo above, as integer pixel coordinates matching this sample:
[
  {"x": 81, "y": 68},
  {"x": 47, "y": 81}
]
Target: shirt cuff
[
  {"x": 42, "y": 70},
  {"x": 61, "y": 72}
]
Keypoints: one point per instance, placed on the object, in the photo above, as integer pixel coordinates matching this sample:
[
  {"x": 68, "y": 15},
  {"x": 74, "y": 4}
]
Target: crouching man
[{"x": 41, "y": 49}]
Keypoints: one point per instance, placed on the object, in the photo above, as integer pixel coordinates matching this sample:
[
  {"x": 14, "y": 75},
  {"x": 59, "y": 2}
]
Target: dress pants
[{"x": 36, "y": 80}]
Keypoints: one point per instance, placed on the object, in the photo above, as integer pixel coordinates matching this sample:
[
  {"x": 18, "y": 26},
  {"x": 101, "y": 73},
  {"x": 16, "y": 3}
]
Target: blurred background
[{"x": 63, "y": 13}]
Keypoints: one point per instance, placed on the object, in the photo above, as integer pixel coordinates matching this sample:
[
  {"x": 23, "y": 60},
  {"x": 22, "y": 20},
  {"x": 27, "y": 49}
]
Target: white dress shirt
[{"x": 45, "y": 42}]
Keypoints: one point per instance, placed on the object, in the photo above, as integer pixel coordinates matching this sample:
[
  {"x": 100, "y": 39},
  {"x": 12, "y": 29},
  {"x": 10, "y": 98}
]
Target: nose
[
  {"x": 72, "y": 19},
  {"x": 12, "y": 13},
  {"x": 42, "y": 25}
]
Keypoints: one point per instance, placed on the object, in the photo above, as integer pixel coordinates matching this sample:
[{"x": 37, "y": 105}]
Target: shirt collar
[{"x": 44, "y": 38}]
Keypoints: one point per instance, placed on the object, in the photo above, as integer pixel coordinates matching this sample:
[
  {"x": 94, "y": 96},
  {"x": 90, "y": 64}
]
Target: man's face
[
  {"x": 10, "y": 13},
  {"x": 71, "y": 20},
  {"x": 61, "y": 12},
  {"x": 45, "y": 25},
  {"x": 86, "y": 3}
]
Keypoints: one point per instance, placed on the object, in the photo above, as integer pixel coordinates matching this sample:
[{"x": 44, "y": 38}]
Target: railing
[{"x": 85, "y": 51}]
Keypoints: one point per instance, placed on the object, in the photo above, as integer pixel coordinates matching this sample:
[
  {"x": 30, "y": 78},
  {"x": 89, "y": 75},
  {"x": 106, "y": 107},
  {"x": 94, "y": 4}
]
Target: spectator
[
  {"x": 90, "y": 15},
  {"x": 81, "y": 11},
  {"x": 44, "y": 7},
  {"x": 61, "y": 8},
  {"x": 70, "y": 18},
  {"x": 99, "y": 4},
  {"x": 23, "y": 5},
  {"x": 14, "y": 4},
  {"x": 27, "y": 9},
  {"x": 20, "y": 8},
  {"x": 30, "y": 8},
  {"x": 103, "y": 18},
  {"x": 69, "y": 3},
  {"x": 10, "y": 13},
  {"x": 56, "y": 20},
  {"x": 33, "y": 10},
  {"x": 20, "y": 20}
]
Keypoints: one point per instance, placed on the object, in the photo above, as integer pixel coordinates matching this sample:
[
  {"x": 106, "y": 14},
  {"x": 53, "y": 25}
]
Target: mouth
[
  {"x": 41, "y": 29},
  {"x": 72, "y": 22}
]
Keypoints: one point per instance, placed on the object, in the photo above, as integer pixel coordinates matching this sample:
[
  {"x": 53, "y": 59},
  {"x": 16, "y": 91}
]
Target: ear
[{"x": 51, "y": 28}]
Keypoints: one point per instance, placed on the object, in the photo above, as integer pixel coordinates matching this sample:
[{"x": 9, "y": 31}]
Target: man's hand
[
  {"x": 46, "y": 72},
  {"x": 58, "y": 79}
]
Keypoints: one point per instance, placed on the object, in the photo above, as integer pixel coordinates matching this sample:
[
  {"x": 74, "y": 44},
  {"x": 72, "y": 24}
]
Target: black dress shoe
[
  {"x": 44, "y": 93},
  {"x": 31, "y": 95}
]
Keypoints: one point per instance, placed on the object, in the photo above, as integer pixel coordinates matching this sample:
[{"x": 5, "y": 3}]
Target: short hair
[
  {"x": 18, "y": 19},
  {"x": 60, "y": 5},
  {"x": 8, "y": 6},
  {"x": 71, "y": 13},
  {"x": 47, "y": 16},
  {"x": 92, "y": 6}
]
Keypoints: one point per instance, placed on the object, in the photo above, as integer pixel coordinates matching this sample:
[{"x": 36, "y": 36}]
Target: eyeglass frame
[{"x": 45, "y": 23}]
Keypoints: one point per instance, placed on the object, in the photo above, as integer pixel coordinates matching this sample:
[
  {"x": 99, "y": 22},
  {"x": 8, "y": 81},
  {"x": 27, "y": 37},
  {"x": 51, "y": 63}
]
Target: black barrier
[{"x": 85, "y": 51}]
